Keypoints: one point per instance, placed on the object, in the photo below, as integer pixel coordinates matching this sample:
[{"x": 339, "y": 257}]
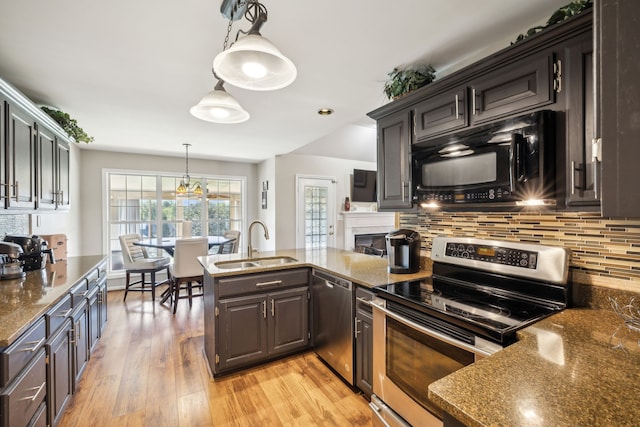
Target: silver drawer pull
[
  {"x": 81, "y": 294},
  {"x": 273, "y": 282},
  {"x": 364, "y": 300},
  {"x": 36, "y": 345},
  {"x": 35, "y": 395},
  {"x": 65, "y": 313}
]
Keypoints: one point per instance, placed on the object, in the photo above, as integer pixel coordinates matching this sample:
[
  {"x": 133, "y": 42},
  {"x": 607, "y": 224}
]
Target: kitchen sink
[{"x": 255, "y": 262}]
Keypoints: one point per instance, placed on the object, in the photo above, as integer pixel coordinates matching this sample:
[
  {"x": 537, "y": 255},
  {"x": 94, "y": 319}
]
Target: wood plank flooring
[{"x": 149, "y": 370}]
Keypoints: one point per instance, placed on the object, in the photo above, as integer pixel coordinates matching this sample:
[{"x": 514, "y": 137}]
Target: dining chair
[
  {"x": 137, "y": 261},
  {"x": 186, "y": 270},
  {"x": 231, "y": 246}
]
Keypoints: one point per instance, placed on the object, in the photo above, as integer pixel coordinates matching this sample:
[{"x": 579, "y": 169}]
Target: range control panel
[{"x": 493, "y": 254}]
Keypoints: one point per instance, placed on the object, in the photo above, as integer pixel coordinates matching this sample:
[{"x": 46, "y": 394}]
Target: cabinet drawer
[
  {"x": 18, "y": 354},
  {"x": 57, "y": 315},
  {"x": 79, "y": 293},
  {"x": 262, "y": 281},
  {"x": 22, "y": 399},
  {"x": 363, "y": 299},
  {"x": 92, "y": 279}
]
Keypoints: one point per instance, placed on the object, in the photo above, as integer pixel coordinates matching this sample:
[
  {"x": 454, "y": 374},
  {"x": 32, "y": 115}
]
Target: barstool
[
  {"x": 137, "y": 261},
  {"x": 186, "y": 269}
]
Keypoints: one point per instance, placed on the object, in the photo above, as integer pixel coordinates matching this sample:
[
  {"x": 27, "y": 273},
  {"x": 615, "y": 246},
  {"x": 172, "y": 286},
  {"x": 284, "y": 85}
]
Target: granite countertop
[
  {"x": 364, "y": 270},
  {"x": 23, "y": 301},
  {"x": 578, "y": 367}
]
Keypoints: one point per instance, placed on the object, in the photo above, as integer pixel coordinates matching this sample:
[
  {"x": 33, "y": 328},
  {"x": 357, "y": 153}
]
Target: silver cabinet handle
[
  {"x": 273, "y": 308},
  {"x": 65, "y": 313},
  {"x": 36, "y": 345},
  {"x": 364, "y": 300},
  {"x": 37, "y": 389},
  {"x": 457, "y": 108},
  {"x": 273, "y": 282},
  {"x": 264, "y": 309},
  {"x": 355, "y": 327},
  {"x": 473, "y": 101},
  {"x": 573, "y": 177},
  {"x": 596, "y": 168}
]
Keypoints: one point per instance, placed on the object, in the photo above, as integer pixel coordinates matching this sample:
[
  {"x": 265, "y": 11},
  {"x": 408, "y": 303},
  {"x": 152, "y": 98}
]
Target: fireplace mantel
[{"x": 365, "y": 222}]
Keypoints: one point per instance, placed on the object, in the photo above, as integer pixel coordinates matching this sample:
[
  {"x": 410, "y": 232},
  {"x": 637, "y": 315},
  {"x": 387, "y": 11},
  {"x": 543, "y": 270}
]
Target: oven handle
[{"x": 442, "y": 337}]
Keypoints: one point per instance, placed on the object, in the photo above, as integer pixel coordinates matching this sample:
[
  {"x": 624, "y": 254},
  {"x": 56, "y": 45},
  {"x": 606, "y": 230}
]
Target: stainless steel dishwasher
[{"x": 333, "y": 319}]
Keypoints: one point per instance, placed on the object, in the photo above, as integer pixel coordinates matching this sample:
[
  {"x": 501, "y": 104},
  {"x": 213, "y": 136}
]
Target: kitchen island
[{"x": 580, "y": 367}]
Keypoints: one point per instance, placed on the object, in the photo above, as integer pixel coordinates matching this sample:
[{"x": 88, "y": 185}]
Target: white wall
[
  {"x": 266, "y": 172},
  {"x": 286, "y": 168},
  {"x": 93, "y": 162}
]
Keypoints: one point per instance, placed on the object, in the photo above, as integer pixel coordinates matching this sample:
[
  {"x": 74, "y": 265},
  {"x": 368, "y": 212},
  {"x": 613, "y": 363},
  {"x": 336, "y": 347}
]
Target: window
[{"x": 147, "y": 204}]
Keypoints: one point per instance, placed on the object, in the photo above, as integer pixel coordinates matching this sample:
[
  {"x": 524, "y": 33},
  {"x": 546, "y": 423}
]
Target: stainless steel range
[{"x": 480, "y": 293}]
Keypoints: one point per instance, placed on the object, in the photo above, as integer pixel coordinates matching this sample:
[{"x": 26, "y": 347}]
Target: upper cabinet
[
  {"x": 34, "y": 156},
  {"x": 551, "y": 70},
  {"x": 617, "y": 106}
]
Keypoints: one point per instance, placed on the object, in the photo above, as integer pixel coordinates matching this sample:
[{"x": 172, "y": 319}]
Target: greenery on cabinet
[
  {"x": 401, "y": 82},
  {"x": 565, "y": 12},
  {"x": 69, "y": 125}
]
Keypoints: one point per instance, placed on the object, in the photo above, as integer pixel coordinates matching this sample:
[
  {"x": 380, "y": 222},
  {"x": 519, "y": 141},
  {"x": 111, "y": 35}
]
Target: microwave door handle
[{"x": 518, "y": 163}]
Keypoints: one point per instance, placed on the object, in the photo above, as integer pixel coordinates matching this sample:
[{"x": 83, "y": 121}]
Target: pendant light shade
[
  {"x": 219, "y": 107},
  {"x": 254, "y": 63}
]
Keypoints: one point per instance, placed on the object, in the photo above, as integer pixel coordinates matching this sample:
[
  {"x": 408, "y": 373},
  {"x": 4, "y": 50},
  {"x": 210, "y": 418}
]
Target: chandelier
[{"x": 186, "y": 186}]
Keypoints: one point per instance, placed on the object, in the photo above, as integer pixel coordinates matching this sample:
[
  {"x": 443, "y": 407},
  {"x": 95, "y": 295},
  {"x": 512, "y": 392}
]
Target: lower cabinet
[
  {"x": 254, "y": 328},
  {"x": 59, "y": 372},
  {"x": 364, "y": 341},
  {"x": 256, "y": 317},
  {"x": 80, "y": 341},
  {"x": 22, "y": 401}
]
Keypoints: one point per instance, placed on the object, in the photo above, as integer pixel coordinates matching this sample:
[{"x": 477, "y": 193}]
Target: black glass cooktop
[{"x": 490, "y": 314}]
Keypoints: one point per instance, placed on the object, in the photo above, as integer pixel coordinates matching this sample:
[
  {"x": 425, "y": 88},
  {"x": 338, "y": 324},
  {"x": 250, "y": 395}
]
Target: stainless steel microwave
[{"x": 503, "y": 164}]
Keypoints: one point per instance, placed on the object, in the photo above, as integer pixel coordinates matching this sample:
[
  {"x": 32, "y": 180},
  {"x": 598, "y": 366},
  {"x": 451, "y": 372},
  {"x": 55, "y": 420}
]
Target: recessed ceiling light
[{"x": 325, "y": 111}]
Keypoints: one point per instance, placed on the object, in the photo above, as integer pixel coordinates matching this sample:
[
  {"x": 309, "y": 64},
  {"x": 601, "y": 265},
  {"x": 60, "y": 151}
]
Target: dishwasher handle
[{"x": 333, "y": 280}]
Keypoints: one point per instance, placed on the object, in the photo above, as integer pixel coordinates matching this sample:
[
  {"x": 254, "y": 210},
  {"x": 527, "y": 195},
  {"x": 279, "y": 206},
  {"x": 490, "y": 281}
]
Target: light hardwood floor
[{"x": 149, "y": 370}]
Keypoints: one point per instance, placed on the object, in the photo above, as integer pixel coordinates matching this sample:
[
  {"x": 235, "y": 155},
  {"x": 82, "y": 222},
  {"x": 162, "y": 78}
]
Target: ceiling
[{"x": 128, "y": 71}]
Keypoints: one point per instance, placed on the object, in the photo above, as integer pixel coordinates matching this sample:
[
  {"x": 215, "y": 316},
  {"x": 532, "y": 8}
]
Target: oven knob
[{"x": 523, "y": 262}]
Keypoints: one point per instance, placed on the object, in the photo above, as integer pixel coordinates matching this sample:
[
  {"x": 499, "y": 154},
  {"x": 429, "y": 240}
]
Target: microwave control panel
[
  {"x": 496, "y": 255},
  {"x": 492, "y": 194}
]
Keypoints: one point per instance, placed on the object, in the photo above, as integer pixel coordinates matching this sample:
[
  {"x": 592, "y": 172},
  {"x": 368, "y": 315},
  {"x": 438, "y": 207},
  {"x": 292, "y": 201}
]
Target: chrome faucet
[{"x": 266, "y": 235}]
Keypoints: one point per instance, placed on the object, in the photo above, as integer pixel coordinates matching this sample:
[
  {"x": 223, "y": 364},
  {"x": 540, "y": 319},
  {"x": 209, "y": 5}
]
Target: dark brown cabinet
[
  {"x": 513, "y": 88},
  {"x": 441, "y": 114},
  {"x": 23, "y": 399},
  {"x": 364, "y": 341},
  {"x": 34, "y": 156},
  {"x": 395, "y": 135},
  {"x": 60, "y": 371},
  {"x": 80, "y": 340},
  {"x": 20, "y": 149},
  {"x": 257, "y": 317},
  {"x": 617, "y": 106}
]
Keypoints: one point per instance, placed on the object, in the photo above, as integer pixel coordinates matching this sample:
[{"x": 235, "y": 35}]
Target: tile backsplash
[
  {"x": 604, "y": 252},
  {"x": 14, "y": 224}
]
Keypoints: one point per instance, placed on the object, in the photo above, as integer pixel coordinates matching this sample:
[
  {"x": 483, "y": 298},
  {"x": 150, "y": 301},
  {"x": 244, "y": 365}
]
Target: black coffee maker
[{"x": 403, "y": 251}]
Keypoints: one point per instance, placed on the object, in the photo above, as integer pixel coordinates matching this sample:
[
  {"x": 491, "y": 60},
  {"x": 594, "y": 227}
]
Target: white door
[{"x": 315, "y": 212}]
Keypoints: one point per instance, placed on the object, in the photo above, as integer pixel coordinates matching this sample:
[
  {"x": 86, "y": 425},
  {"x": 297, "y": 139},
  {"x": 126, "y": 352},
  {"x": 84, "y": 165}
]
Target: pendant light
[
  {"x": 253, "y": 62},
  {"x": 186, "y": 186},
  {"x": 219, "y": 107}
]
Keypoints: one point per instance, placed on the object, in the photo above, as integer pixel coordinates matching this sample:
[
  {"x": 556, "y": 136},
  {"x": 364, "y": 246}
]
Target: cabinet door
[
  {"x": 59, "y": 373},
  {"x": 63, "y": 154},
  {"x": 94, "y": 318},
  {"x": 80, "y": 342},
  {"x": 364, "y": 351},
  {"x": 20, "y": 149},
  {"x": 242, "y": 331},
  {"x": 394, "y": 176},
  {"x": 516, "y": 87},
  {"x": 102, "y": 304},
  {"x": 20, "y": 400},
  {"x": 288, "y": 320},
  {"x": 618, "y": 104},
  {"x": 441, "y": 114},
  {"x": 46, "y": 184},
  {"x": 580, "y": 167}
]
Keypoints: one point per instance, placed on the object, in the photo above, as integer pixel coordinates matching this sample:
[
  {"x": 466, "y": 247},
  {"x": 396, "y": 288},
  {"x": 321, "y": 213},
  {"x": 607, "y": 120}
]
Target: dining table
[{"x": 168, "y": 244}]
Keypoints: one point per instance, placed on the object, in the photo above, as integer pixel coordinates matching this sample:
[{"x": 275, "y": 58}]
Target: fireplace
[
  {"x": 371, "y": 244},
  {"x": 366, "y": 224}
]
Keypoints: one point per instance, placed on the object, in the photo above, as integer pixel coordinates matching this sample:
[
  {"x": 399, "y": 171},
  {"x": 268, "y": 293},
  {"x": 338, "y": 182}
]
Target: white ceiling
[{"x": 129, "y": 70}]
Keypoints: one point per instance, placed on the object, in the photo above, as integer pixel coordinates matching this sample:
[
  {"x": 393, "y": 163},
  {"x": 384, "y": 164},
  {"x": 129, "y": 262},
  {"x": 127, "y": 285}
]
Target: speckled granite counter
[
  {"x": 23, "y": 301},
  {"x": 365, "y": 270},
  {"x": 580, "y": 367}
]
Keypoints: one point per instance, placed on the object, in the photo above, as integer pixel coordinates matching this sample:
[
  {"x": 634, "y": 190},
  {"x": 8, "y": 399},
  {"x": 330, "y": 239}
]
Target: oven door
[{"x": 407, "y": 357}]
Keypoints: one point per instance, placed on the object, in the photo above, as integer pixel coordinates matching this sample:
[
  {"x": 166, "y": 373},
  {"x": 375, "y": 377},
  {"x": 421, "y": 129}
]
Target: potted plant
[
  {"x": 404, "y": 81},
  {"x": 69, "y": 125}
]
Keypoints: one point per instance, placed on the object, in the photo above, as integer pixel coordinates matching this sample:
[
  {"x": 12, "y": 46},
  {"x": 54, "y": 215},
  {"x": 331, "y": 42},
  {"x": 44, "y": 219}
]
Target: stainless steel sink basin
[{"x": 255, "y": 262}]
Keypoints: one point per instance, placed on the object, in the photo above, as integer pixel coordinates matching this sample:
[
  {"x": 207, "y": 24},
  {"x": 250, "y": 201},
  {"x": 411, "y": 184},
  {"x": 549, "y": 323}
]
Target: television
[{"x": 363, "y": 186}]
